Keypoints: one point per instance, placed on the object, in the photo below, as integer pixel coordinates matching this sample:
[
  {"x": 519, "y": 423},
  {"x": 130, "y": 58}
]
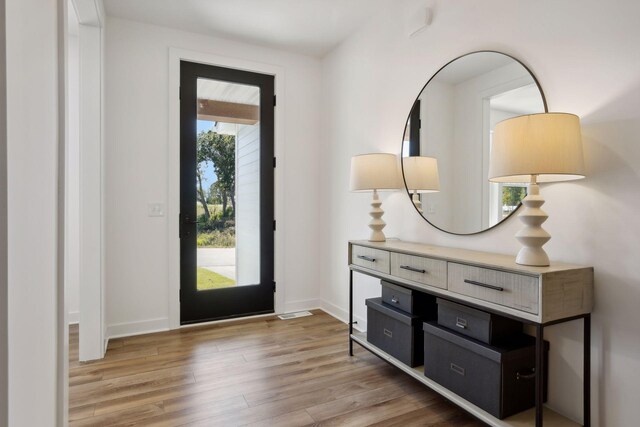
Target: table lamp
[
  {"x": 536, "y": 148},
  {"x": 420, "y": 176},
  {"x": 373, "y": 172}
]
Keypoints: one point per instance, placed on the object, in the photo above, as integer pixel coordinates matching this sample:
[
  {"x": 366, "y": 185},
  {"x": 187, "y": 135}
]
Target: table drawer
[
  {"x": 509, "y": 289},
  {"x": 419, "y": 269},
  {"x": 375, "y": 259}
]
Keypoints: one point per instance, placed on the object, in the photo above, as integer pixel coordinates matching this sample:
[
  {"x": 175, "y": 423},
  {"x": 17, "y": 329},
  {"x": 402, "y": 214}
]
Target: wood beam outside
[{"x": 228, "y": 112}]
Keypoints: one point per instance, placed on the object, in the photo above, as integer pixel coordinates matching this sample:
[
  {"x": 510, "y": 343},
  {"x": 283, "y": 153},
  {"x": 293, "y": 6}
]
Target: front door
[{"x": 226, "y": 193}]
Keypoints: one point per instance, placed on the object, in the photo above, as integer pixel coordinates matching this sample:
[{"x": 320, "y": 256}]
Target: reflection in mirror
[
  {"x": 452, "y": 121},
  {"x": 421, "y": 176}
]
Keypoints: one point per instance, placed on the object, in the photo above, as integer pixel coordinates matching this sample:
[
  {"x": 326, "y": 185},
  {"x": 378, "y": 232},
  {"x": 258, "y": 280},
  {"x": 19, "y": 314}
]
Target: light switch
[{"x": 155, "y": 209}]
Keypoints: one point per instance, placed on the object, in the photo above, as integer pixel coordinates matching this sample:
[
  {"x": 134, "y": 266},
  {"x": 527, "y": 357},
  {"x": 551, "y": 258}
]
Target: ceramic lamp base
[
  {"x": 376, "y": 224},
  {"x": 533, "y": 236},
  {"x": 416, "y": 202}
]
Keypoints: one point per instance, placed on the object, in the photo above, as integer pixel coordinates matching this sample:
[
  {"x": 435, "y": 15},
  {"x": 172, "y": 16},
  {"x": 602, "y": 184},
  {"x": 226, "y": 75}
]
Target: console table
[{"x": 538, "y": 296}]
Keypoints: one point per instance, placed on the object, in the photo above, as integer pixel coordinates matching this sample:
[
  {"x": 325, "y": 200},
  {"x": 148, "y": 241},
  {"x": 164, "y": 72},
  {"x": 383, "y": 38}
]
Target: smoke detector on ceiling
[{"x": 419, "y": 21}]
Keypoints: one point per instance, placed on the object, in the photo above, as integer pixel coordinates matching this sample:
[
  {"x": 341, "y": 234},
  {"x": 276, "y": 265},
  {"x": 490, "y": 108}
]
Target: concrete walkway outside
[{"x": 218, "y": 260}]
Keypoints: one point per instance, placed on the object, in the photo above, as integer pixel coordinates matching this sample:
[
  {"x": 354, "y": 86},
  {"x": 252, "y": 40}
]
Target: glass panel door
[
  {"x": 226, "y": 193},
  {"x": 228, "y": 184}
]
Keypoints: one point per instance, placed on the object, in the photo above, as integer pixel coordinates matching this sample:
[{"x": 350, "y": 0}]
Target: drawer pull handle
[
  {"x": 457, "y": 369},
  {"x": 417, "y": 270},
  {"x": 394, "y": 300},
  {"x": 461, "y": 323},
  {"x": 526, "y": 375},
  {"x": 483, "y": 285},
  {"x": 367, "y": 258},
  {"x": 388, "y": 333}
]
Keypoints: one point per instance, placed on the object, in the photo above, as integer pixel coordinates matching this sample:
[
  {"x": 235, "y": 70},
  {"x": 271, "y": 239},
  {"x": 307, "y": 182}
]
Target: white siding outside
[{"x": 248, "y": 205}]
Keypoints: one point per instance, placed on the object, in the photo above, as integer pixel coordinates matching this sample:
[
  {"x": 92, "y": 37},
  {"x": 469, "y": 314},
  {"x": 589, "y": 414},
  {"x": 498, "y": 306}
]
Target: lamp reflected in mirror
[{"x": 421, "y": 176}]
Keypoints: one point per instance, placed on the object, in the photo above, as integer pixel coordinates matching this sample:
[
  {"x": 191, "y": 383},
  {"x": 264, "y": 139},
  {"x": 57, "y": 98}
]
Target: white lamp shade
[
  {"x": 376, "y": 171},
  {"x": 548, "y": 145},
  {"x": 421, "y": 174}
]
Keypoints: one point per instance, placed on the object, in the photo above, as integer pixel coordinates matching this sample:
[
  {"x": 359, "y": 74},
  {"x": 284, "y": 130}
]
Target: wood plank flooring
[{"x": 266, "y": 372}]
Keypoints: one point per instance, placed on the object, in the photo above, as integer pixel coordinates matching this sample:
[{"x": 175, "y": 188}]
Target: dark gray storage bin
[
  {"x": 408, "y": 300},
  {"x": 499, "y": 380},
  {"x": 395, "y": 332},
  {"x": 486, "y": 327}
]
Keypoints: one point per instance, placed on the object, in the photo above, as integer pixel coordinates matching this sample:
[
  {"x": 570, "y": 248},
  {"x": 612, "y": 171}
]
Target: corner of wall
[
  {"x": 128, "y": 329},
  {"x": 359, "y": 322},
  {"x": 4, "y": 338}
]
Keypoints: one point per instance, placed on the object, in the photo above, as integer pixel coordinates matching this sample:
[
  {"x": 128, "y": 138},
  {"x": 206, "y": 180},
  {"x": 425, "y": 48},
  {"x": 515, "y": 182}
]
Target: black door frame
[
  {"x": 238, "y": 301},
  {"x": 415, "y": 123}
]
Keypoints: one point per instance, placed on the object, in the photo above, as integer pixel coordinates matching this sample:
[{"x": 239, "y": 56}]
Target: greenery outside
[
  {"x": 215, "y": 205},
  {"x": 219, "y": 150},
  {"x": 511, "y": 197},
  {"x": 217, "y": 232},
  {"x": 207, "y": 279}
]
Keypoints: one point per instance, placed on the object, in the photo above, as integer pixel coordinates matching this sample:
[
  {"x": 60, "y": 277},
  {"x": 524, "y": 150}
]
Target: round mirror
[{"x": 447, "y": 141}]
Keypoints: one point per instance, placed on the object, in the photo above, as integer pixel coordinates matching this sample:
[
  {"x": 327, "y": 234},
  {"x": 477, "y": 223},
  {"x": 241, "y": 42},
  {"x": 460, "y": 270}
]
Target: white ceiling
[
  {"x": 523, "y": 100},
  {"x": 311, "y": 27},
  {"x": 217, "y": 90}
]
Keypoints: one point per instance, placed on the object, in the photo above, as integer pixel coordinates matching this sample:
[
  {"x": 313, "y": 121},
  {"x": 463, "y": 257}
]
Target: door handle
[
  {"x": 187, "y": 221},
  {"x": 182, "y": 221}
]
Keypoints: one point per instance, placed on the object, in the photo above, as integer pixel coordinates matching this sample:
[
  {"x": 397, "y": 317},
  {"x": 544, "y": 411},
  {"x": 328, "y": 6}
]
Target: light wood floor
[{"x": 266, "y": 372}]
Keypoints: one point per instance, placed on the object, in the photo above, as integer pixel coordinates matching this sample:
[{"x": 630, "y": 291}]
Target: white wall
[
  {"x": 72, "y": 180},
  {"x": 137, "y": 114},
  {"x": 32, "y": 115},
  {"x": 91, "y": 197},
  {"x": 436, "y": 140},
  {"x": 584, "y": 54},
  {"x": 469, "y": 205},
  {"x": 4, "y": 363}
]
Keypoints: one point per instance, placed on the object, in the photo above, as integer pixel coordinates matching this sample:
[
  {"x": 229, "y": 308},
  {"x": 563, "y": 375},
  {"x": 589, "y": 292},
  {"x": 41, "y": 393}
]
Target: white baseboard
[
  {"x": 128, "y": 329},
  {"x": 309, "y": 304},
  {"x": 73, "y": 317},
  {"x": 120, "y": 330},
  {"x": 360, "y": 324},
  {"x": 334, "y": 310}
]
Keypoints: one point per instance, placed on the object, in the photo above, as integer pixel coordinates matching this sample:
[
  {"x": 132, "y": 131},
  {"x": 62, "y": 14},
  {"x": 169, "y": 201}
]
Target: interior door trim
[{"x": 173, "y": 160}]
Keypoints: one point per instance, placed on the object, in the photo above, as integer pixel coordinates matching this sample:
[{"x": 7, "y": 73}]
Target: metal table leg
[
  {"x": 350, "y": 311},
  {"x": 586, "y": 378},
  {"x": 539, "y": 374}
]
